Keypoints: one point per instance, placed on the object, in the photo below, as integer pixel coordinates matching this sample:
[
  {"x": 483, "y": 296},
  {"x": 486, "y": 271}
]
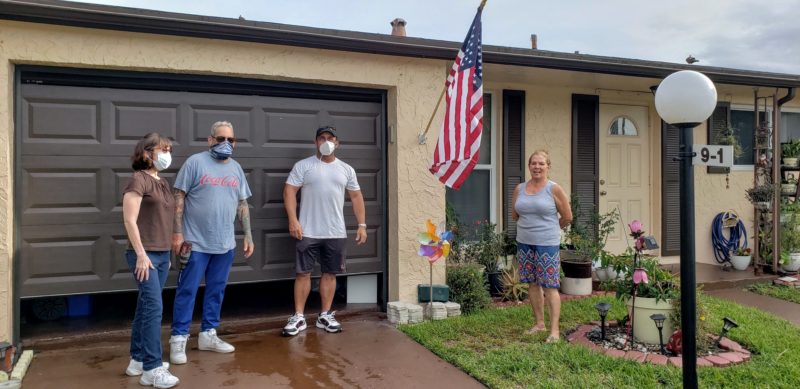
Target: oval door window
[{"x": 623, "y": 125}]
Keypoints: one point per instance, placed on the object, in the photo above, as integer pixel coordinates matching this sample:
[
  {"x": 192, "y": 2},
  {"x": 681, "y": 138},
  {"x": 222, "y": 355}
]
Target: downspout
[{"x": 777, "y": 174}]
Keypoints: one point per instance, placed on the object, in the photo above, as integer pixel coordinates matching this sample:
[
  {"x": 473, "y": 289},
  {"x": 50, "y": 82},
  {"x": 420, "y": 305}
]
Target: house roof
[{"x": 170, "y": 23}]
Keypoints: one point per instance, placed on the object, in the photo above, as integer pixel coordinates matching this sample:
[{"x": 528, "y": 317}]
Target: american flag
[{"x": 459, "y": 141}]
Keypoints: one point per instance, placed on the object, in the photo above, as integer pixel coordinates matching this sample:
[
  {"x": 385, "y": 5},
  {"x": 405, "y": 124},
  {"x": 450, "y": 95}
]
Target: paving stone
[
  {"x": 703, "y": 362},
  {"x": 676, "y": 361},
  {"x": 734, "y": 357},
  {"x": 730, "y": 345},
  {"x": 718, "y": 361},
  {"x": 635, "y": 356},
  {"x": 612, "y": 352},
  {"x": 657, "y": 359}
]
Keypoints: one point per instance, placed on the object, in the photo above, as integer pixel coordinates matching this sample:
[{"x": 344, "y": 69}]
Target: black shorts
[{"x": 330, "y": 254}]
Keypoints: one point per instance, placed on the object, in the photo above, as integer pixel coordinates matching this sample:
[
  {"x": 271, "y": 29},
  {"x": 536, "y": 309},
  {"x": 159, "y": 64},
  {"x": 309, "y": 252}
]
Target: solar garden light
[
  {"x": 727, "y": 324},
  {"x": 659, "y": 318},
  {"x": 685, "y": 99},
  {"x": 602, "y": 309}
]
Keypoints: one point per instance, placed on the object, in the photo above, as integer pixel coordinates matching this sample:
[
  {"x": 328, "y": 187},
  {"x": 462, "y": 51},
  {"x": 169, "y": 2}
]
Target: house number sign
[{"x": 713, "y": 155}]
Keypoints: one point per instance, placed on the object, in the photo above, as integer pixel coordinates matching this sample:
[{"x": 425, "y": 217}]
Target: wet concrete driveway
[{"x": 367, "y": 354}]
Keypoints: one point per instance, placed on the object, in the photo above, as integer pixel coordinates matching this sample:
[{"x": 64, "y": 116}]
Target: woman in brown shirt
[{"x": 148, "y": 211}]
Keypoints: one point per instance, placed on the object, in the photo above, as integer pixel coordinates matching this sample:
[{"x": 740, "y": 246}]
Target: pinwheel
[{"x": 434, "y": 244}]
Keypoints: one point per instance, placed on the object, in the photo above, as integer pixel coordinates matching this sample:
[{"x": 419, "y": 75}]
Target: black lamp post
[
  {"x": 602, "y": 309},
  {"x": 659, "y": 320},
  {"x": 727, "y": 324},
  {"x": 685, "y": 99}
]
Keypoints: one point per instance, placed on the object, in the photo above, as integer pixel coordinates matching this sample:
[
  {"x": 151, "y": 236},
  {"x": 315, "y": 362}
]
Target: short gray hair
[{"x": 222, "y": 123}]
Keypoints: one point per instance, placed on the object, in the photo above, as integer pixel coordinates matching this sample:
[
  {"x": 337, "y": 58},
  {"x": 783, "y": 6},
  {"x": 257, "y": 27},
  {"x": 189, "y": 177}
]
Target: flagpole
[{"x": 422, "y": 137}]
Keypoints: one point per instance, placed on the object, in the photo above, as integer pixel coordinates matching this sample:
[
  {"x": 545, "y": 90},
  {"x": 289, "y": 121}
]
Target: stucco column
[{"x": 6, "y": 200}]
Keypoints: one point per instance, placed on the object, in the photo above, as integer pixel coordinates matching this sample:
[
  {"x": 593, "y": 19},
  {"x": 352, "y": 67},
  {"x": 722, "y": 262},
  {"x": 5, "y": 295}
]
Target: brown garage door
[{"x": 75, "y": 146}]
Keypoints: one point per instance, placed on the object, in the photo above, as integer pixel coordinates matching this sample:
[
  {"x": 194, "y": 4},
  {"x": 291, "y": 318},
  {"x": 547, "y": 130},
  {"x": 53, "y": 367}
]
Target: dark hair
[{"x": 139, "y": 159}]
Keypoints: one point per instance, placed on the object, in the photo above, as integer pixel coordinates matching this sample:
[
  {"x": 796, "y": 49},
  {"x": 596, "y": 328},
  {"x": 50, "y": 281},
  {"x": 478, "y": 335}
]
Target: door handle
[{"x": 603, "y": 193}]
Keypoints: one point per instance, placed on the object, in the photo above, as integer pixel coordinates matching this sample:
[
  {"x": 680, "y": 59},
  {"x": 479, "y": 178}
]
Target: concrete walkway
[
  {"x": 781, "y": 308},
  {"x": 369, "y": 353}
]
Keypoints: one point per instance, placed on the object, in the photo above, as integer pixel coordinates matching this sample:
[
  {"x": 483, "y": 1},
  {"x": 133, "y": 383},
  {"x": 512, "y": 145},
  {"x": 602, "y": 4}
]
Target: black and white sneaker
[
  {"x": 328, "y": 322},
  {"x": 296, "y": 324}
]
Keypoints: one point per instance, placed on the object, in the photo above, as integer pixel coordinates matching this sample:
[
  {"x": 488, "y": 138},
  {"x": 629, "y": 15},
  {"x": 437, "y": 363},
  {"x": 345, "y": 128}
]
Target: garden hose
[{"x": 723, "y": 246}]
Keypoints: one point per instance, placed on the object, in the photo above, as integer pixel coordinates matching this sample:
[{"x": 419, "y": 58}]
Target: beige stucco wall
[{"x": 413, "y": 86}]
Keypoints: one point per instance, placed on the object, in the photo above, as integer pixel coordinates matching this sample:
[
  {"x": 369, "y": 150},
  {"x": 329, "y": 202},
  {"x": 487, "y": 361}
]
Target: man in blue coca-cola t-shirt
[{"x": 210, "y": 192}]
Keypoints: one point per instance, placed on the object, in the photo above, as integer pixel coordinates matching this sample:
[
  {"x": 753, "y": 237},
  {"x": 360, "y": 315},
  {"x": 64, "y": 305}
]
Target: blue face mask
[{"x": 221, "y": 151}]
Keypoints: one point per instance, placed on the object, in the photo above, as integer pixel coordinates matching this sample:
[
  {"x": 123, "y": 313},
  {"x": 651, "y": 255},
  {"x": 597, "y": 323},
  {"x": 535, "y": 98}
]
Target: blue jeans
[
  {"x": 146, "y": 331},
  {"x": 215, "y": 269}
]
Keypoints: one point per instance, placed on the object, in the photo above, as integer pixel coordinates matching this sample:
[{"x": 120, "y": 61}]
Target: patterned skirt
[{"x": 539, "y": 264}]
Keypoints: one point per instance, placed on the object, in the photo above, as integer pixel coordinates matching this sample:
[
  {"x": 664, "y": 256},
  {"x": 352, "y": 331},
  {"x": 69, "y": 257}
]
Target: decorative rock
[
  {"x": 657, "y": 359},
  {"x": 676, "y": 361},
  {"x": 730, "y": 345},
  {"x": 734, "y": 357},
  {"x": 718, "y": 361},
  {"x": 702, "y": 362},
  {"x": 397, "y": 312}
]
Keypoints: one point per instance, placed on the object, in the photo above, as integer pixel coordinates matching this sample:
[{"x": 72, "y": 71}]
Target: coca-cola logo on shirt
[{"x": 229, "y": 181}]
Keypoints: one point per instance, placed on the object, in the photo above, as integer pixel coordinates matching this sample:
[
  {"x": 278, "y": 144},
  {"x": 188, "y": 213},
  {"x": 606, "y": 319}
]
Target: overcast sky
[{"x": 742, "y": 34}]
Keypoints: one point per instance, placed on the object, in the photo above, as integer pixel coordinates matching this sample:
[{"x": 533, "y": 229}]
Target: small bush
[{"x": 467, "y": 287}]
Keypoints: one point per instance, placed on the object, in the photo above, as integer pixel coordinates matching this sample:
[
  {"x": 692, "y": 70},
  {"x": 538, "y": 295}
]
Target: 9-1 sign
[{"x": 713, "y": 155}]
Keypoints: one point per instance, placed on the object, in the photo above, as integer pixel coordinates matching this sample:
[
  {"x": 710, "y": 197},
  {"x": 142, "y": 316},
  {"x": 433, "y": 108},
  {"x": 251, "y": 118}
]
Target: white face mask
[
  {"x": 162, "y": 161},
  {"x": 327, "y": 148}
]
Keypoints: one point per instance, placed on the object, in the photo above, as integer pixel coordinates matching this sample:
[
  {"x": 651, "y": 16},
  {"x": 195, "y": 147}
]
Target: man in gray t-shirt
[
  {"x": 320, "y": 230},
  {"x": 210, "y": 192}
]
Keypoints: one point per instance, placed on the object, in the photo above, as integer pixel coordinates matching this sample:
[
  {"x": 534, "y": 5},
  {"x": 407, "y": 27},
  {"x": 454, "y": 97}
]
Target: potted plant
[
  {"x": 789, "y": 154},
  {"x": 790, "y": 248},
  {"x": 587, "y": 243},
  {"x": 647, "y": 289},
  {"x": 487, "y": 250},
  {"x": 789, "y": 184},
  {"x": 740, "y": 258},
  {"x": 761, "y": 196}
]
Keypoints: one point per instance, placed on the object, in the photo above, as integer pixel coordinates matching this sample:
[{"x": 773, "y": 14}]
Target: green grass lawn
[
  {"x": 777, "y": 291},
  {"x": 491, "y": 346}
]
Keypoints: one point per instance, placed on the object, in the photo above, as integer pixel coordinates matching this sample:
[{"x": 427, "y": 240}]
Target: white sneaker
[
  {"x": 135, "y": 368},
  {"x": 327, "y": 321},
  {"x": 209, "y": 341},
  {"x": 159, "y": 377},
  {"x": 177, "y": 349},
  {"x": 296, "y": 324}
]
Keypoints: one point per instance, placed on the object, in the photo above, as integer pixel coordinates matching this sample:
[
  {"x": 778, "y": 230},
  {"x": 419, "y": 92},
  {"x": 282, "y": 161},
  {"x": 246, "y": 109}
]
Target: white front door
[{"x": 624, "y": 169}]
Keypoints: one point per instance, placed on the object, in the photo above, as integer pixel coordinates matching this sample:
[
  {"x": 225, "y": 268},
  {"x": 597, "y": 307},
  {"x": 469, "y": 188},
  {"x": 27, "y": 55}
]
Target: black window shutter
[
  {"x": 513, "y": 152},
  {"x": 670, "y": 191},
  {"x": 585, "y": 153},
  {"x": 719, "y": 121}
]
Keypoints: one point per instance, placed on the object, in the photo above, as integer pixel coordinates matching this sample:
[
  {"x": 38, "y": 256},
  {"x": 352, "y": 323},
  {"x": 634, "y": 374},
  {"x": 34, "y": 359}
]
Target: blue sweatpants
[{"x": 215, "y": 269}]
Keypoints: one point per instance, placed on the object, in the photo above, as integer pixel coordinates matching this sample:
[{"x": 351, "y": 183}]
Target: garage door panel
[
  {"x": 52, "y": 121},
  {"x": 133, "y": 121},
  {"x": 76, "y": 148}
]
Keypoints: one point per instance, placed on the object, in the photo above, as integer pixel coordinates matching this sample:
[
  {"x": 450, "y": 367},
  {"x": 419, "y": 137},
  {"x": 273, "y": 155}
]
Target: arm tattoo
[
  {"x": 244, "y": 216},
  {"x": 179, "y": 195}
]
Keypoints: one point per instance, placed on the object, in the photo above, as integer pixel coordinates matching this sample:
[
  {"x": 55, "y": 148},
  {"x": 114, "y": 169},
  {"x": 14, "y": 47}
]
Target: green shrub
[{"x": 466, "y": 282}]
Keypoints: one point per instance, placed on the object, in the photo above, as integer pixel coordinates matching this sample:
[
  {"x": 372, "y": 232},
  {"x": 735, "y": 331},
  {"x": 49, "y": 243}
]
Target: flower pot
[
  {"x": 788, "y": 188},
  {"x": 613, "y": 274},
  {"x": 644, "y": 329},
  {"x": 577, "y": 268},
  {"x": 740, "y": 262},
  {"x": 576, "y": 286},
  {"x": 790, "y": 161},
  {"x": 762, "y": 205},
  {"x": 602, "y": 274},
  {"x": 495, "y": 283},
  {"x": 794, "y": 264}
]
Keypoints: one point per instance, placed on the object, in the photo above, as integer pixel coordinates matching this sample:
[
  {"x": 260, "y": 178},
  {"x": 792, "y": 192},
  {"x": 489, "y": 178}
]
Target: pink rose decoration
[
  {"x": 639, "y": 244},
  {"x": 636, "y": 227},
  {"x": 640, "y": 276}
]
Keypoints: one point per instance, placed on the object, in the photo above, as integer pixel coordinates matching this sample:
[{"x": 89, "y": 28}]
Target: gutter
[{"x": 177, "y": 24}]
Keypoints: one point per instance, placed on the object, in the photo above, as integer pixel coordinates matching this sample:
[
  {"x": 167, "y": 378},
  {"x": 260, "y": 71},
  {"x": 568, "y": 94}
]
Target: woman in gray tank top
[{"x": 541, "y": 210}]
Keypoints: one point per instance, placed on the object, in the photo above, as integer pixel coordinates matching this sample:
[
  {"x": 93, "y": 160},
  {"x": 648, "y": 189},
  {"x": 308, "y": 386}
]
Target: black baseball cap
[{"x": 330, "y": 129}]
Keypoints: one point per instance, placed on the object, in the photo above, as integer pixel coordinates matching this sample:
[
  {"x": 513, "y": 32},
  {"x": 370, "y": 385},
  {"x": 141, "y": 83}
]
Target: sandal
[
  {"x": 552, "y": 339},
  {"x": 535, "y": 329}
]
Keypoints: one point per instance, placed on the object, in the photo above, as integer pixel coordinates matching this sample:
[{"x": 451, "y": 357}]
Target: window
[
  {"x": 743, "y": 127},
  {"x": 790, "y": 126},
  {"x": 476, "y": 198},
  {"x": 623, "y": 125}
]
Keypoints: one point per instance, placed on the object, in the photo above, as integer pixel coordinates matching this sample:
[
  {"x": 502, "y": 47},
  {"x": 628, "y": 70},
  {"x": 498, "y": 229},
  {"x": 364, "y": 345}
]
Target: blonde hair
[{"x": 541, "y": 153}]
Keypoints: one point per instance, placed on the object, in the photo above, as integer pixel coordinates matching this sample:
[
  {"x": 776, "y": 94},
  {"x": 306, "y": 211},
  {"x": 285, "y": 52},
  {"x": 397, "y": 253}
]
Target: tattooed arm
[
  {"x": 243, "y": 211},
  {"x": 177, "y": 227}
]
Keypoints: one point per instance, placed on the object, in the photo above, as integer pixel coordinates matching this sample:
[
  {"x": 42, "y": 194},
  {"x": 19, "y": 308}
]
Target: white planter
[
  {"x": 601, "y": 273},
  {"x": 788, "y": 188},
  {"x": 644, "y": 328},
  {"x": 790, "y": 161},
  {"x": 740, "y": 262},
  {"x": 576, "y": 286},
  {"x": 613, "y": 274},
  {"x": 794, "y": 265},
  {"x": 762, "y": 205}
]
